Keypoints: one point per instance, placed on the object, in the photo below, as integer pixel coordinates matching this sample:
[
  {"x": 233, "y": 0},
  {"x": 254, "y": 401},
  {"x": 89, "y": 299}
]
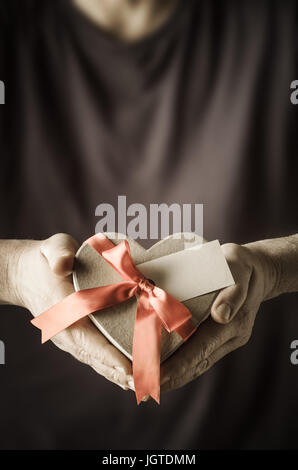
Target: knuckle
[
  {"x": 59, "y": 237},
  {"x": 177, "y": 382},
  {"x": 106, "y": 354},
  {"x": 84, "y": 356},
  {"x": 243, "y": 340},
  {"x": 62, "y": 239},
  {"x": 232, "y": 250},
  {"x": 208, "y": 348},
  {"x": 113, "y": 375},
  {"x": 235, "y": 253},
  {"x": 203, "y": 366}
]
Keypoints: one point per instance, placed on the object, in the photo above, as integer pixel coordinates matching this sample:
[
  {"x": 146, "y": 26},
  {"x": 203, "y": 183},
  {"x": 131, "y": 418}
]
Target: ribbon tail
[
  {"x": 78, "y": 305},
  {"x": 187, "y": 329},
  {"x": 146, "y": 351}
]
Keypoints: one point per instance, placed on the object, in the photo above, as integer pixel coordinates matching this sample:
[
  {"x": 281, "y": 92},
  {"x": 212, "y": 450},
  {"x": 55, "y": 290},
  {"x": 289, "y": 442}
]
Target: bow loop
[{"x": 145, "y": 285}]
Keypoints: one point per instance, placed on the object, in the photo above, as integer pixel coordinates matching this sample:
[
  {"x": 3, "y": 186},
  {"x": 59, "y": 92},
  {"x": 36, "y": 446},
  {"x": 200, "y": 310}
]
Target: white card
[{"x": 195, "y": 271}]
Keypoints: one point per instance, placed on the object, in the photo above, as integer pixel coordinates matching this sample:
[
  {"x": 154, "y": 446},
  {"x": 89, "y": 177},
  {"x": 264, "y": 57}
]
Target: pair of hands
[{"x": 43, "y": 277}]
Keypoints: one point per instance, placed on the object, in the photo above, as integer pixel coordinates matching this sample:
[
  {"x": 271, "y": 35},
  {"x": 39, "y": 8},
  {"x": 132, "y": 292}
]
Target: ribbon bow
[{"x": 156, "y": 308}]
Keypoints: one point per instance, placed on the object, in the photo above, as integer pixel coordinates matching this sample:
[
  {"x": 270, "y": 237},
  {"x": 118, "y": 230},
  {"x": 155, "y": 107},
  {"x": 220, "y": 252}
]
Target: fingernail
[
  {"x": 224, "y": 311},
  {"x": 131, "y": 384},
  {"x": 164, "y": 380}
]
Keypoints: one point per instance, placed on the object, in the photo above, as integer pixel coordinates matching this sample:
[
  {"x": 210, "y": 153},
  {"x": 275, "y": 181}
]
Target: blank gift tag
[{"x": 191, "y": 272}]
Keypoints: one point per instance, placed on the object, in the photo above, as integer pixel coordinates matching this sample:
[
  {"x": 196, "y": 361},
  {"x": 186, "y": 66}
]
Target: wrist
[
  {"x": 282, "y": 254},
  {"x": 14, "y": 257},
  {"x": 269, "y": 265},
  {"x": 22, "y": 273},
  {"x": 10, "y": 251}
]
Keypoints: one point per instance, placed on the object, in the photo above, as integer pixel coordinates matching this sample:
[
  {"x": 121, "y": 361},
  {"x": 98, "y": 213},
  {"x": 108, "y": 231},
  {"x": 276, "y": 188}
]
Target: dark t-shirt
[{"x": 198, "y": 112}]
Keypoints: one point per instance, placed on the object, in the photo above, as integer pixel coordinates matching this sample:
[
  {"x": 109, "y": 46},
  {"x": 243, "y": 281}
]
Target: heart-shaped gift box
[{"x": 117, "y": 323}]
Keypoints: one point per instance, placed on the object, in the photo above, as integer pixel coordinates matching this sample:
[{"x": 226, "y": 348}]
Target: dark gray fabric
[{"x": 198, "y": 112}]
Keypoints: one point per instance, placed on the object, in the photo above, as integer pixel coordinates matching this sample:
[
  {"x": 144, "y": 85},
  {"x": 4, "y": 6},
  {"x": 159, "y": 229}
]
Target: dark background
[{"x": 199, "y": 112}]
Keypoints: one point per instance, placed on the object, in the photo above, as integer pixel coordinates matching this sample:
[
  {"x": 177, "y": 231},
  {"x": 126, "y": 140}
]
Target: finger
[
  {"x": 208, "y": 338},
  {"x": 85, "y": 341},
  {"x": 112, "y": 375},
  {"x": 202, "y": 367},
  {"x": 86, "y": 336},
  {"x": 65, "y": 341},
  {"x": 60, "y": 250},
  {"x": 229, "y": 300}
]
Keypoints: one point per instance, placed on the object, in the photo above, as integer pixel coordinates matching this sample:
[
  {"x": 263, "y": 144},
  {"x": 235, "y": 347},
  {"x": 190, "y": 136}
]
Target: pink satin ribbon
[{"x": 156, "y": 308}]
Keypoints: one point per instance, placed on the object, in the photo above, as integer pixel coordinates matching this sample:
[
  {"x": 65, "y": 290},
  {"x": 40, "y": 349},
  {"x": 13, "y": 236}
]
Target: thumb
[
  {"x": 229, "y": 301},
  {"x": 59, "y": 250}
]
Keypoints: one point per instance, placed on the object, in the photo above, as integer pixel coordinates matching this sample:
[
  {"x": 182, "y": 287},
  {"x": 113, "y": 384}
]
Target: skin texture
[
  {"x": 127, "y": 20},
  {"x": 36, "y": 275}
]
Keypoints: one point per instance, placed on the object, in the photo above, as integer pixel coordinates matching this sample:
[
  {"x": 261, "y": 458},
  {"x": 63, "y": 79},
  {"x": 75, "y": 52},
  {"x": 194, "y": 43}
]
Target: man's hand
[
  {"x": 38, "y": 276},
  {"x": 232, "y": 316}
]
